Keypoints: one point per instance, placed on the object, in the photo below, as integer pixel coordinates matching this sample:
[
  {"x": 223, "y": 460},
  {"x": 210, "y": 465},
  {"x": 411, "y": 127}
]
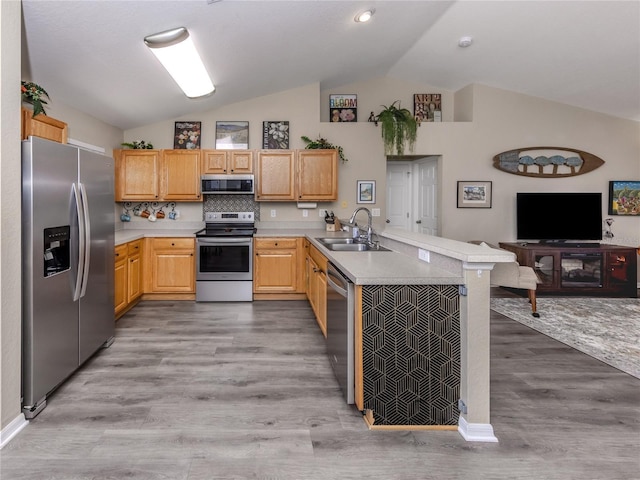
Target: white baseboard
[
  {"x": 476, "y": 432},
  {"x": 11, "y": 430}
]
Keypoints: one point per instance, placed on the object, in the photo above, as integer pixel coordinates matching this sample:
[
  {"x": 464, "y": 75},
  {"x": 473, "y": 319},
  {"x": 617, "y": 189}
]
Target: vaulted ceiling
[{"x": 90, "y": 55}]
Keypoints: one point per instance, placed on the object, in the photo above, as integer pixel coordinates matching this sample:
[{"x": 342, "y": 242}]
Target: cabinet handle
[
  {"x": 117, "y": 254},
  {"x": 173, "y": 244},
  {"x": 276, "y": 244}
]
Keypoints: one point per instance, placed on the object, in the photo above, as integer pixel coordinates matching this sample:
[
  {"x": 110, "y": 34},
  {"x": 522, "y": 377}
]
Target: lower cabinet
[
  {"x": 316, "y": 270},
  {"x": 171, "y": 265},
  {"x": 276, "y": 266},
  {"x": 128, "y": 276}
]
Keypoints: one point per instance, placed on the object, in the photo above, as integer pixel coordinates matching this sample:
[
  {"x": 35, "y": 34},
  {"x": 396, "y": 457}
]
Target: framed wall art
[
  {"x": 275, "y": 135},
  {"x": 187, "y": 135},
  {"x": 366, "y": 191},
  {"x": 624, "y": 197},
  {"x": 427, "y": 107},
  {"x": 343, "y": 108},
  {"x": 474, "y": 194},
  {"x": 232, "y": 135}
]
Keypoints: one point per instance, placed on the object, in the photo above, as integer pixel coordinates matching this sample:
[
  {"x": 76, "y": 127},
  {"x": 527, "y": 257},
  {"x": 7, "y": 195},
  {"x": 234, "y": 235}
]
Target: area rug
[{"x": 605, "y": 328}]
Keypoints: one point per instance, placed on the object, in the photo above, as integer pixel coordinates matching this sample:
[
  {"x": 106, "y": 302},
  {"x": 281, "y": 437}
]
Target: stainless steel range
[{"x": 224, "y": 257}]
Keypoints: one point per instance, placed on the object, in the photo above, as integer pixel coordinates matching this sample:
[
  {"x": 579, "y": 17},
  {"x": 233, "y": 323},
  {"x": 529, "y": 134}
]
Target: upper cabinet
[
  {"x": 297, "y": 175},
  {"x": 42, "y": 126},
  {"x": 181, "y": 175},
  {"x": 157, "y": 175},
  {"x": 227, "y": 161},
  {"x": 275, "y": 175},
  {"x": 137, "y": 175},
  {"x": 317, "y": 175}
]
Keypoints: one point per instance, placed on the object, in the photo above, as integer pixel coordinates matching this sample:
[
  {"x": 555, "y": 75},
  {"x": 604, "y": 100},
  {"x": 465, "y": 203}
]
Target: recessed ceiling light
[
  {"x": 365, "y": 16},
  {"x": 464, "y": 42}
]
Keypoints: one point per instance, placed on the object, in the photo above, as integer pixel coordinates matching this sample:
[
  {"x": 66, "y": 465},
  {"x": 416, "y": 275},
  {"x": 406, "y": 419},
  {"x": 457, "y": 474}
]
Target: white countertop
[{"x": 368, "y": 267}]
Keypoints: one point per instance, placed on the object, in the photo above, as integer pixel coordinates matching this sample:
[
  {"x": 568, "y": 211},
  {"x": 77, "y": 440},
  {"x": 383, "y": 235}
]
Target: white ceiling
[{"x": 89, "y": 54}]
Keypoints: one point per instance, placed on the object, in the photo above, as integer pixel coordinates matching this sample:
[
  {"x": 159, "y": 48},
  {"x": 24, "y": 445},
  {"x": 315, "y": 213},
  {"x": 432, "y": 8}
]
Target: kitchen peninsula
[{"x": 445, "y": 305}]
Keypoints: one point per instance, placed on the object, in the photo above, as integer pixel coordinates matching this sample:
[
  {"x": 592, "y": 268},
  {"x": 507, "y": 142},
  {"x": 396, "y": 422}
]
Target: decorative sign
[
  {"x": 546, "y": 162},
  {"x": 343, "y": 108},
  {"x": 427, "y": 107}
]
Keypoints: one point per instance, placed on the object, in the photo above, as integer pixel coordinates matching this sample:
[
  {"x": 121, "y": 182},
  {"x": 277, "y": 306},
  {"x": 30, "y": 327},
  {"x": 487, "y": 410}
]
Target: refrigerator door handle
[
  {"x": 87, "y": 241},
  {"x": 81, "y": 243}
]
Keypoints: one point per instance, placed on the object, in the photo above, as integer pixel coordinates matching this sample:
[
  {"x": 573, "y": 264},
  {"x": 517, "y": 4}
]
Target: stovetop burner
[{"x": 228, "y": 224}]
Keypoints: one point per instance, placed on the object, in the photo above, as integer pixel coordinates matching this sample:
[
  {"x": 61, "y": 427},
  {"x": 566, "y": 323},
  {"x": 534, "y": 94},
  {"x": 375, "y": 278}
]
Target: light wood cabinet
[
  {"x": 120, "y": 278},
  {"x": 297, "y": 175},
  {"x": 134, "y": 273},
  {"x": 275, "y": 266},
  {"x": 42, "y": 126},
  {"x": 180, "y": 180},
  {"x": 275, "y": 175},
  {"x": 157, "y": 175},
  {"x": 171, "y": 267},
  {"x": 317, "y": 175},
  {"x": 128, "y": 276},
  {"x": 227, "y": 161},
  {"x": 137, "y": 175},
  {"x": 316, "y": 267}
]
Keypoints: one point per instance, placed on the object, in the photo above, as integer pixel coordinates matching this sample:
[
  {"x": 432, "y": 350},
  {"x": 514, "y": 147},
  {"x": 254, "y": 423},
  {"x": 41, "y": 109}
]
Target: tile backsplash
[{"x": 231, "y": 203}]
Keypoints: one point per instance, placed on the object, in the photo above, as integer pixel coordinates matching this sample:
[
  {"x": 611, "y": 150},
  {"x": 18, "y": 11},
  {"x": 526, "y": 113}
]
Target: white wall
[{"x": 10, "y": 200}]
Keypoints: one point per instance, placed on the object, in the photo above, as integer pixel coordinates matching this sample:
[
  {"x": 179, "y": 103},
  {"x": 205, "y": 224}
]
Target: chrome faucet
[{"x": 369, "y": 233}]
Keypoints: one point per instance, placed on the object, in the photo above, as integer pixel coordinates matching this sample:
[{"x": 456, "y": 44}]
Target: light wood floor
[{"x": 234, "y": 391}]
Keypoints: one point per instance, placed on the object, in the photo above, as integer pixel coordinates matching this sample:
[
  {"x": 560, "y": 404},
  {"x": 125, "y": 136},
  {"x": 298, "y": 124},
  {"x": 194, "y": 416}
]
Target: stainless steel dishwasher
[{"x": 340, "y": 329}]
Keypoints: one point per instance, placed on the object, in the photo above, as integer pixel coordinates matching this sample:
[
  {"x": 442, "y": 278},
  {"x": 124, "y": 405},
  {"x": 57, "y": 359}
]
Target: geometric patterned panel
[
  {"x": 411, "y": 353},
  {"x": 232, "y": 203}
]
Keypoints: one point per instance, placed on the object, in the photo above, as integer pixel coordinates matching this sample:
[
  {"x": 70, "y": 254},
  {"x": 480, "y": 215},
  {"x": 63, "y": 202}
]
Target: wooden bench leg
[{"x": 532, "y": 300}]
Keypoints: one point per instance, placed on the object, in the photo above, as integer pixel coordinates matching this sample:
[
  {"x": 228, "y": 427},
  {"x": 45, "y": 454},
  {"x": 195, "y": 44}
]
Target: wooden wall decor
[{"x": 546, "y": 162}]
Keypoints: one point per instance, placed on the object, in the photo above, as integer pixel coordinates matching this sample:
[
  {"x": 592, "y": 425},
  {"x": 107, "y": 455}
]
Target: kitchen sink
[{"x": 349, "y": 245}]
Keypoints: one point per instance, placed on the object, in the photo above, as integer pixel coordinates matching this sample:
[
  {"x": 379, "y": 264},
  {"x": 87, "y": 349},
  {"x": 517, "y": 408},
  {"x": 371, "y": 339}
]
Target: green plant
[
  {"x": 141, "y": 145},
  {"x": 399, "y": 127},
  {"x": 322, "y": 143},
  {"x": 33, "y": 93}
]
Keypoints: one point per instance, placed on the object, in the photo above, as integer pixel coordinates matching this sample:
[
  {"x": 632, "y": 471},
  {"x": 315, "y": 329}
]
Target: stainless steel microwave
[{"x": 226, "y": 184}]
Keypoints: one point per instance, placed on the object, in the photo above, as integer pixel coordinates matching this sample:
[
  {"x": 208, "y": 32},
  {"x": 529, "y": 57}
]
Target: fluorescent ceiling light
[{"x": 177, "y": 53}]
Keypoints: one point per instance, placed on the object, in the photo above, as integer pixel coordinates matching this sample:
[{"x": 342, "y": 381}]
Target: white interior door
[
  {"x": 399, "y": 195},
  {"x": 426, "y": 198}
]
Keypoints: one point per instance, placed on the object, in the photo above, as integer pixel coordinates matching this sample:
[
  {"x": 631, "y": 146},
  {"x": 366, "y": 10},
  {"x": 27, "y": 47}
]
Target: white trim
[
  {"x": 11, "y": 430},
  {"x": 86, "y": 146},
  {"x": 476, "y": 432}
]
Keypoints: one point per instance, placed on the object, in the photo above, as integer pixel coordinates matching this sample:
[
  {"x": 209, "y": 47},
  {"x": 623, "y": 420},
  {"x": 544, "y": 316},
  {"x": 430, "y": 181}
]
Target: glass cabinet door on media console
[{"x": 596, "y": 270}]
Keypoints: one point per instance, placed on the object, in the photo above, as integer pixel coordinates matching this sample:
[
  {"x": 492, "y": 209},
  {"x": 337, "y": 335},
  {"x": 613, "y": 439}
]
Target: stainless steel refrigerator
[{"x": 68, "y": 258}]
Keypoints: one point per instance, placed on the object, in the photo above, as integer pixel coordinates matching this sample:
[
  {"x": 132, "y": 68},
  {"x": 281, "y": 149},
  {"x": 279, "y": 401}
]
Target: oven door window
[{"x": 224, "y": 259}]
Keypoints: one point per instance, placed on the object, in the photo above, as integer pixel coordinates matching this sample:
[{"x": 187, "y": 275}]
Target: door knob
[{"x": 418, "y": 221}]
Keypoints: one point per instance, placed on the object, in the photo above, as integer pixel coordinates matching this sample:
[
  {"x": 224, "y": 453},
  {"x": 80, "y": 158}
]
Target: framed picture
[
  {"x": 343, "y": 108},
  {"x": 187, "y": 136},
  {"x": 427, "y": 107},
  {"x": 624, "y": 197},
  {"x": 474, "y": 194},
  {"x": 232, "y": 135},
  {"x": 366, "y": 191},
  {"x": 275, "y": 134}
]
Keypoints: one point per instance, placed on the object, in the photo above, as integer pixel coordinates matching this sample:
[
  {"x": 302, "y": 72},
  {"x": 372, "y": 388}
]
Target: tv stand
[{"x": 580, "y": 268}]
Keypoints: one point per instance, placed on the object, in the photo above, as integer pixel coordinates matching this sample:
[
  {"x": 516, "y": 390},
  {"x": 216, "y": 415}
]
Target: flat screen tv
[{"x": 559, "y": 217}]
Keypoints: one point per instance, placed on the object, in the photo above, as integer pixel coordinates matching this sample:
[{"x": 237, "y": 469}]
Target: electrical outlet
[
  {"x": 344, "y": 204},
  {"x": 305, "y": 212},
  {"x": 423, "y": 255},
  {"x": 273, "y": 213},
  {"x": 322, "y": 212},
  {"x": 375, "y": 212}
]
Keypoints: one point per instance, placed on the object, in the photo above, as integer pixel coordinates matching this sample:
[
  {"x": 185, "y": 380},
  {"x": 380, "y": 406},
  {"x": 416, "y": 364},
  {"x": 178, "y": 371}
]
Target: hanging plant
[
  {"x": 33, "y": 94},
  {"x": 399, "y": 127},
  {"x": 322, "y": 143},
  {"x": 141, "y": 145}
]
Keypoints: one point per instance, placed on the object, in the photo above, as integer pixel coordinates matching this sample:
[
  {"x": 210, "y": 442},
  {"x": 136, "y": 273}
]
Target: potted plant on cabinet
[
  {"x": 323, "y": 143},
  {"x": 399, "y": 127},
  {"x": 34, "y": 94}
]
